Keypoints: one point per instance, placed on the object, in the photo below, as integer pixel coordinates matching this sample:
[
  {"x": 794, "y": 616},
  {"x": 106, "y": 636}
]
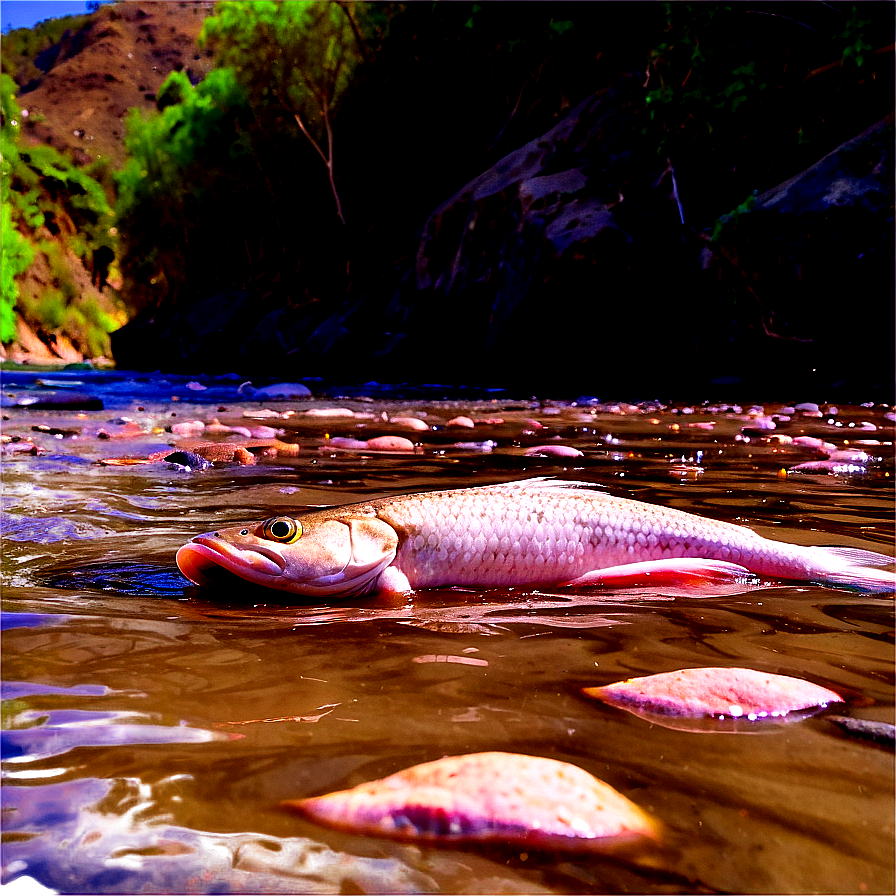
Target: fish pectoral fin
[
  {"x": 393, "y": 582},
  {"x": 676, "y": 571}
]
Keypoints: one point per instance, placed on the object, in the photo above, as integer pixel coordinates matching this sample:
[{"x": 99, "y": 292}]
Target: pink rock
[
  {"x": 350, "y": 444},
  {"x": 188, "y": 428},
  {"x": 553, "y": 451},
  {"x": 850, "y": 455},
  {"x": 410, "y": 423},
  {"x": 719, "y": 692},
  {"x": 461, "y": 421},
  {"x": 390, "y": 443},
  {"x": 329, "y": 412},
  {"x": 506, "y": 797},
  {"x": 814, "y": 444}
]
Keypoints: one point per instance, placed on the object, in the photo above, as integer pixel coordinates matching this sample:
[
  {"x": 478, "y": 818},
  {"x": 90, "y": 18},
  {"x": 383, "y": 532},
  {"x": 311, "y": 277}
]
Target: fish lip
[{"x": 204, "y": 551}]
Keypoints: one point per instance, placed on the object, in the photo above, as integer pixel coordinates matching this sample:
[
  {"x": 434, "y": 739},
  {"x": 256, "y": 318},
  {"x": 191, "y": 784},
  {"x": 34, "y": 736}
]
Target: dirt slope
[{"x": 116, "y": 62}]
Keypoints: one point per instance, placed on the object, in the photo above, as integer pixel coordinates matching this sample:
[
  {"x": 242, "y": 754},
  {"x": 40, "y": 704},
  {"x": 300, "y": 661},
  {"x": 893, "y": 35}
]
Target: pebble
[
  {"x": 188, "y": 428},
  {"x": 486, "y": 446},
  {"x": 461, "y": 421},
  {"x": 553, "y": 451},
  {"x": 187, "y": 460},
  {"x": 329, "y": 412},
  {"x": 389, "y": 443},
  {"x": 819, "y": 445},
  {"x": 410, "y": 423},
  {"x": 277, "y": 391}
]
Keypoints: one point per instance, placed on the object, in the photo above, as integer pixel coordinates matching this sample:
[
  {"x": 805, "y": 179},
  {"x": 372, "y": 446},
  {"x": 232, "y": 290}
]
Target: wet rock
[
  {"x": 280, "y": 392},
  {"x": 329, "y": 412},
  {"x": 55, "y": 430},
  {"x": 188, "y": 428},
  {"x": 187, "y": 460},
  {"x": 54, "y": 401},
  {"x": 715, "y": 692},
  {"x": 881, "y": 732},
  {"x": 410, "y": 423},
  {"x": 387, "y": 444},
  {"x": 487, "y": 446},
  {"x": 390, "y": 443},
  {"x": 553, "y": 451},
  {"x": 15, "y": 445},
  {"x": 507, "y": 798}
]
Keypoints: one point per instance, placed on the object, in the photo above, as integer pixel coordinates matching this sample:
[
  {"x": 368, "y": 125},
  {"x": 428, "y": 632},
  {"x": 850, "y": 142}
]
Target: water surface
[{"x": 151, "y": 728}]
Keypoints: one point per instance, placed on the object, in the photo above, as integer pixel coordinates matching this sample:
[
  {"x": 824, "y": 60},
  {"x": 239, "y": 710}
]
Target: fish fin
[
  {"x": 677, "y": 571},
  {"x": 850, "y": 567},
  {"x": 871, "y": 580},
  {"x": 392, "y": 582},
  {"x": 549, "y": 482},
  {"x": 857, "y": 556}
]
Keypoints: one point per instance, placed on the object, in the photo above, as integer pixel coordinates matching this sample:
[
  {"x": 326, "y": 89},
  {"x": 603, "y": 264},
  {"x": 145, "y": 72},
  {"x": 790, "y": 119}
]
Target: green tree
[
  {"x": 17, "y": 252},
  {"x": 301, "y": 54},
  {"x": 185, "y": 191},
  {"x": 48, "y": 205}
]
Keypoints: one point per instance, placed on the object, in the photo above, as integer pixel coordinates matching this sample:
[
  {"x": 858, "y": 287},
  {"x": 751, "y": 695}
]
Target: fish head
[{"x": 314, "y": 556}]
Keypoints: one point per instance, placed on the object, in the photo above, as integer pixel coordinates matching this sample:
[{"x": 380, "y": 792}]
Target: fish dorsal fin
[{"x": 549, "y": 482}]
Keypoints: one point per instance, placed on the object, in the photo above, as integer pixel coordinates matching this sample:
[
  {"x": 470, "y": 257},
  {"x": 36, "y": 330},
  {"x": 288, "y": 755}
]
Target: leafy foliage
[
  {"x": 17, "y": 252},
  {"x": 44, "y": 195},
  {"x": 185, "y": 188},
  {"x": 301, "y": 54},
  {"x": 22, "y": 47},
  {"x": 856, "y": 37}
]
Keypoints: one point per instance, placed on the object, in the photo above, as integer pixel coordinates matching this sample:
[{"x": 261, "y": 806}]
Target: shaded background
[{"x": 580, "y": 198}]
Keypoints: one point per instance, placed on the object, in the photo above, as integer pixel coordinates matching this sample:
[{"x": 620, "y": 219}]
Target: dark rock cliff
[{"x": 567, "y": 265}]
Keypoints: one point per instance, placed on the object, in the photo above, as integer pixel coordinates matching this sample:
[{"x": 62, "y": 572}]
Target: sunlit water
[{"x": 152, "y": 728}]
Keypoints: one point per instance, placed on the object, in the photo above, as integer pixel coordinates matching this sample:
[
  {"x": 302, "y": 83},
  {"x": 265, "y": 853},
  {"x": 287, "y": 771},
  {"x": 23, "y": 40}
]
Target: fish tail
[{"x": 855, "y": 568}]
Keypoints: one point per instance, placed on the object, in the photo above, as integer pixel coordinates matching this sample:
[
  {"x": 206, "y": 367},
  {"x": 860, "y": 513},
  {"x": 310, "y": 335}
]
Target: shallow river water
[{"x": 152, "y": 728}]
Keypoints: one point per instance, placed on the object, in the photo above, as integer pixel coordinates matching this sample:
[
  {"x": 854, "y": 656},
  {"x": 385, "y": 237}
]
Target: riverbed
[{"x": 152, "y": 728}]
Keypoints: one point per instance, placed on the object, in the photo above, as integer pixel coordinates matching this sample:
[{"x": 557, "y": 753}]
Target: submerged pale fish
[{"x": 534, "y": 532}]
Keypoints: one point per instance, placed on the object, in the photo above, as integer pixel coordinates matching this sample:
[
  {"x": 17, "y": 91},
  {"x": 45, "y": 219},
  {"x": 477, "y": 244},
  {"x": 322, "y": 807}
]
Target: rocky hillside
[
  {"x": 74, "y": 96},
  {"x": 91, "y": 78}
]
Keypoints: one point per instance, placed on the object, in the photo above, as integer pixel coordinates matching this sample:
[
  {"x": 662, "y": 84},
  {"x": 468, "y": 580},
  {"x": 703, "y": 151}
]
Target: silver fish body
[{"x": 535, "y": 532}]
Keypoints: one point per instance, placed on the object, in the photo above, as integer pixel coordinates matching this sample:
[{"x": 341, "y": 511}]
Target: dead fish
[
  {"x": 507, "y": 798},
  {"x": 535, "y": 532}
]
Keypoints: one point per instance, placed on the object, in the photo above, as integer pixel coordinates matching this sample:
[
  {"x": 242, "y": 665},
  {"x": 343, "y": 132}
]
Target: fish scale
[{"x": 563, "y": 533}]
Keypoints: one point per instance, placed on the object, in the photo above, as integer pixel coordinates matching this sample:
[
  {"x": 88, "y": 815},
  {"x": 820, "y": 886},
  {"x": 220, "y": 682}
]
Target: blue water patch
[
  {"x": 15, "y": 690},
  {"x": 57, "y": 732},
  {"x": 46, "y": 530},
  {"x": 28, "y": 620},
  {"x": 130, "y": 579}
]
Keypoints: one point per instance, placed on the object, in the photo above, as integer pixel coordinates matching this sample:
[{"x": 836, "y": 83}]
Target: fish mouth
[{"x": 200, "y": 558}]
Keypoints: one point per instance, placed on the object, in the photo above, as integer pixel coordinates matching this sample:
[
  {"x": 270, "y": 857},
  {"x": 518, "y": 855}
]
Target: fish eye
[
  {"x": 282, "y": 528},
  {"x": 244, "y": 531}
]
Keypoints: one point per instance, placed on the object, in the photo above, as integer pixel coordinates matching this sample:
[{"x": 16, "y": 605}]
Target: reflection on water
[{"x": 151, "y": 728}]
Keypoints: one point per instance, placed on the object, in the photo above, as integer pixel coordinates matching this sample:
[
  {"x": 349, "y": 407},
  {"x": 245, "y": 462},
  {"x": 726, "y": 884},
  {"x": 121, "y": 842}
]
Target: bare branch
[
  {"x": 330, "y": 164},
  {"x": 311, "y": 139}
]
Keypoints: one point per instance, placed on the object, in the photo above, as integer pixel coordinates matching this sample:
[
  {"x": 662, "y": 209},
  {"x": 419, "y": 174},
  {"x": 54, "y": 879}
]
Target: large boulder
[
  {"x": 567, "y": 267},
  {"x": 811, "y": 264},
  {"x": 539, "y": 270}
]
